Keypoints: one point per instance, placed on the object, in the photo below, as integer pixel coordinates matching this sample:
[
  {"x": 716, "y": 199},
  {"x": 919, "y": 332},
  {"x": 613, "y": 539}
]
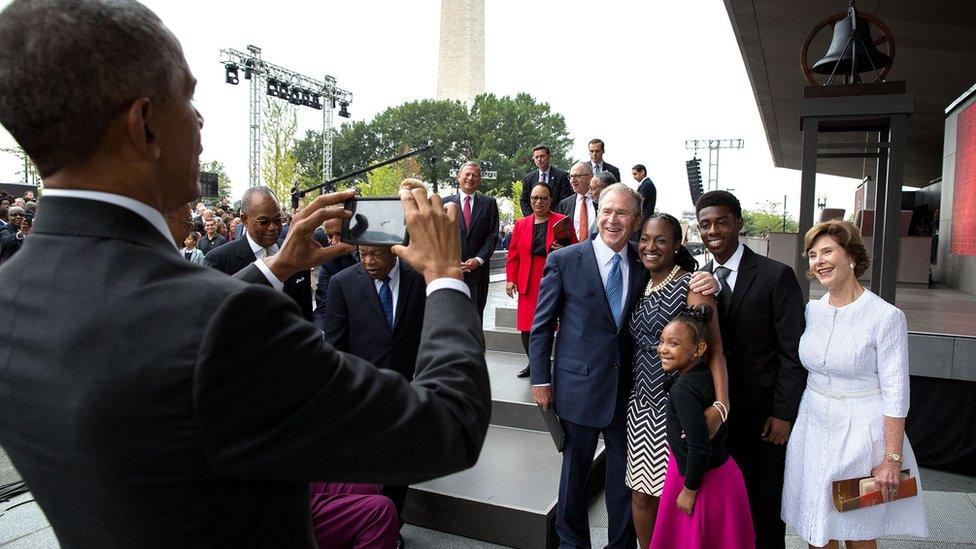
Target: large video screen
[{"x": 963, "y": 240}]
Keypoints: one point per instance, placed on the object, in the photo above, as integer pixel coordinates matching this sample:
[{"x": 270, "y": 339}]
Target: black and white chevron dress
[{"x": 647, "y": 448}]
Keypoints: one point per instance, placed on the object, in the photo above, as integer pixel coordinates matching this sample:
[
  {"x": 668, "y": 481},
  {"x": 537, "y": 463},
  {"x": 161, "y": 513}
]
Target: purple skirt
[{"x": 720, "y": 518}]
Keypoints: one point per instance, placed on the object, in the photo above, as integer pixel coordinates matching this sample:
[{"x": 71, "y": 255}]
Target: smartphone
[{"x": 375, "y": 221}]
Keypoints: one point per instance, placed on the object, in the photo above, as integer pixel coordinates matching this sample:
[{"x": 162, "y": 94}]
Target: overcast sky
[{"x": 642, "y": 76}]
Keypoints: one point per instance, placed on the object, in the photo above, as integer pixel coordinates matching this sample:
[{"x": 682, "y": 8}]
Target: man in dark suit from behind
[
  {"x": 478, "y": 225},
  {"x": 596, "y": 148},
  {"x": 761, "y": 315},
  {"x": 375, "y": 310},
  {"x": 579, "y": 206},
  {"x": 262, "y": 218},
  {"x": 545, "y": 172},
  {"x": 182, "y": 406}
]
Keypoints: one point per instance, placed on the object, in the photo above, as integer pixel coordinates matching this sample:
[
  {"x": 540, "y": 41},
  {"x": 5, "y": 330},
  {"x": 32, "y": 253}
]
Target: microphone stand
[{"x": 330, "y": 184}]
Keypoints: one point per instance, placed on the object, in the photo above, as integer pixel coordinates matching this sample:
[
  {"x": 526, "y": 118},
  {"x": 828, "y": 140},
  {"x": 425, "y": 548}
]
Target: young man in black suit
[
  {"x": 645, "y": 188},
  {"x": 547, "y": 173},
  {"x": 761, "y": 318},
  {"x": 262, "y": 219},
  {"x": 182, "y": 406},
  {"x": 595, "y": 147},
  {"x": 478, "y": 225}
]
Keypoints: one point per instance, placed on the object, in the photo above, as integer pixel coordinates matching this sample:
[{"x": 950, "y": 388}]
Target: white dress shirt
[
  {"x": 590, "y": 213},
  {"x": 604, "y": 260},
  {"x": 259, "y": 250},
  {"x": 732, "y": 265},
  {"x": 394, "y": 285},
  {"x": 544, "y": 177}
]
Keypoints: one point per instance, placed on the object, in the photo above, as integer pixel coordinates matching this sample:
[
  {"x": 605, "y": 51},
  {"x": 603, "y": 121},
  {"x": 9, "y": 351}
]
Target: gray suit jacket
[{"x": 151, "y": 402}]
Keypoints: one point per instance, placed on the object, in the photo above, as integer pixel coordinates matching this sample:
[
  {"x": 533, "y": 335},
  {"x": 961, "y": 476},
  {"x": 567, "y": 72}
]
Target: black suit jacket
[
  {"x": 326, "y": 271},
  {"x": 9, "y": 243},
  {"x": 480, "y": 239},
  {"x": 558, "y": 180},
  {"x": 151, "y": 402},
  {"x": 610, "y": 168},
  {"x": 355, "y": 322},
  {"x": 568, "y": 208},
  {"x": 648, "y": 191},
  {"x": 761, "y": 337},
  {"x": 233, "y": 256},
  {"x": 206, "y": 245}
]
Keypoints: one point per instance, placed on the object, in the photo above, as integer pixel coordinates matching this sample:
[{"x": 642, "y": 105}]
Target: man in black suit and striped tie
[{"x": 478, "y": 224}]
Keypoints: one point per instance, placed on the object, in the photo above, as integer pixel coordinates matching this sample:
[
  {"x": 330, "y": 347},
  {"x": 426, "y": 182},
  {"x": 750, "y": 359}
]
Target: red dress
[{"x": 525, "y": 269}]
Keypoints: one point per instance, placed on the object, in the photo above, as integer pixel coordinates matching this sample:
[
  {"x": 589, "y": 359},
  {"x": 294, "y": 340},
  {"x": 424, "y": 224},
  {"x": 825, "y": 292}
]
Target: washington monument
[{"x": 461, "y": 65}]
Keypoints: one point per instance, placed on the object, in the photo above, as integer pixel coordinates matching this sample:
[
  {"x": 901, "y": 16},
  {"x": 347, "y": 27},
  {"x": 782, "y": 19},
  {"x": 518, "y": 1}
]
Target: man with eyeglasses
[
  {"x": 580, "y": 207},
  {"x": 262, "y": 219},
  {"x": 12, "y": 234}
]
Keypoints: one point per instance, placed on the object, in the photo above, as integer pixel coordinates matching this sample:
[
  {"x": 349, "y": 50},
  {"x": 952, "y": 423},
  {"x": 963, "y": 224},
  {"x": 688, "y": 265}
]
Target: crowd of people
[{"x": 239, "y": 377}]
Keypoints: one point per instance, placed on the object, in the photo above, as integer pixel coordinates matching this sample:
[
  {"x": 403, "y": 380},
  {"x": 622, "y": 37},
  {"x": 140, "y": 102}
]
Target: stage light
[
  {"x": 296, "y": 96},
  {"x": 231, "y": 77},
  {"x": 248, "y": 69},
  {"x": 315, "y": 104},
  {"x": 343, "y": 112},
  {"x": 272, "y": 87},
  {"x": 284, "y": 91}
]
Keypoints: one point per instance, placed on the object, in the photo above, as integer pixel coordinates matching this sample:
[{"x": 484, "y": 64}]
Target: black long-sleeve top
[{"x": 692, "y": 394}]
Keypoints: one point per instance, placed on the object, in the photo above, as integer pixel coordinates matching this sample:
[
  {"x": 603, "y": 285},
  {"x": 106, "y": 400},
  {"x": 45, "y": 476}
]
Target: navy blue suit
[
  {"x": 327, "y": 270},
  {"x": 591, "y": 378}
]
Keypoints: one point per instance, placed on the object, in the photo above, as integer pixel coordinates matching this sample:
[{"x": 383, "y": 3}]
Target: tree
[
  {"x": 499, "y": 130},
  {"x": 223, "y": 180},
  {"x": 384, "y": 181},
  {"x": 280, "y": 167},
  {"x": 764, "y": 222},
  {"x": 29, "y": 170}
]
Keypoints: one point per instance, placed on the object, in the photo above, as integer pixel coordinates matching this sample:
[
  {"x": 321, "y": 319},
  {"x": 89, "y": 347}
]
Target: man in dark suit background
[
  {"x": 12, "y": 233},
  {"x": 597, "y": 165},
  {"x": 546, "y": 173},
  {"x": 645, "y": 188},
  {"x": 184, "y": 407},
  {"x": 375, "y": 311},
  {"x": 590, "y": 288},
  {"x": 210, "y": 239},
  {"x": 478, "y": 225},
  {"x": 262, "y": 218},
  {"x": 761, "y": 316},
  {"x": 579, "y": 206},
  {"x": 330, "y": 231}
]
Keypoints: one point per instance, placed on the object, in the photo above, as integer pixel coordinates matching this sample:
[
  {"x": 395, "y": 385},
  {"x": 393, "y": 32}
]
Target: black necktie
[{"x": 722, "y": 274}]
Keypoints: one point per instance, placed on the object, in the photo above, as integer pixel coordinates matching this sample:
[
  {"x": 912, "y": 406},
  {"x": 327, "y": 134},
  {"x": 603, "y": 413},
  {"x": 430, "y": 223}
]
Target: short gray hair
[
  {"x": 606, "y": 178},
  {"x": 624, "y": 189},
  {"x": 247, "y": 201},
  {"x": 586, "y": 165},
  {"x": 469, "y": 163},
  {"x": 68, "y": 67}
]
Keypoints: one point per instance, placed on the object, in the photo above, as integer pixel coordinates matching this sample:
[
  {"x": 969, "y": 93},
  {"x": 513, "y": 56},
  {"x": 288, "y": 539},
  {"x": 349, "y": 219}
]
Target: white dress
[{"x": 857, "y": 357}]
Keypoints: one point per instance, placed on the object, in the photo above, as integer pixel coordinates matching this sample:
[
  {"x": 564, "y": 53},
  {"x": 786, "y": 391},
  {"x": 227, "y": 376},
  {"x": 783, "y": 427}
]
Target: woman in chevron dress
[{"x": 670, "y": 265}]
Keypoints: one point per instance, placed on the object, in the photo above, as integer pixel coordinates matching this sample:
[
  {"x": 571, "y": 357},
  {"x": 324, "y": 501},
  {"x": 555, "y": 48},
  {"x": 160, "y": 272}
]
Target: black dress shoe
[{"x": 524, "y": 372}]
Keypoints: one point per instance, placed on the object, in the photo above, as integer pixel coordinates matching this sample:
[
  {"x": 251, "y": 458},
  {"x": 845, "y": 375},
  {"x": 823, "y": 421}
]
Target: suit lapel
[
  {"x": 406, "y": 283},
  {"x": 368, "y": 287},
  {"x": 244, "y": 252},
  {"x": 743, "y": 279},
  {"x": 592, "y": 272},
  {"x": 477, "y": 204}
]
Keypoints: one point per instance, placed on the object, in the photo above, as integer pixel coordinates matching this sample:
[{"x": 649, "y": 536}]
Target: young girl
[
  {"x": 190, "y": 250},
  {"x": 704, "y": 502}
]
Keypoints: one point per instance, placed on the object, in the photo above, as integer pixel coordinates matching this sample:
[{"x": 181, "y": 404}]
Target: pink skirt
[{"x": 720, "y": 518}]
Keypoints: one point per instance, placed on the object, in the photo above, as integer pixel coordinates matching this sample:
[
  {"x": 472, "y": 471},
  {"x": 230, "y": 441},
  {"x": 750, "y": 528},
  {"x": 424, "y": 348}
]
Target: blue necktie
[
  {"x": 386, "y": 300},
  {"x": 615, "y": 290}
]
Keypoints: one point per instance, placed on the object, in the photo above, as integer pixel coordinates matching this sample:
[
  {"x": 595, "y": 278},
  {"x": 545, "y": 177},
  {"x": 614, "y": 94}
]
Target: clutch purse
[
  {"x": 562, "y": 232},
  {"x": 857, "y": 493}
]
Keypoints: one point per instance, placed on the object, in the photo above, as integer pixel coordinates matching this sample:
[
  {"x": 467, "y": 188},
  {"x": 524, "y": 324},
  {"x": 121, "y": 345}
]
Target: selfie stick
[{"x": 330, "y": 184}]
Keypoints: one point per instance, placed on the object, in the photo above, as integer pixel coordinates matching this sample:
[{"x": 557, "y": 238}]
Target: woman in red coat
[{"x": 532, "y": 239}]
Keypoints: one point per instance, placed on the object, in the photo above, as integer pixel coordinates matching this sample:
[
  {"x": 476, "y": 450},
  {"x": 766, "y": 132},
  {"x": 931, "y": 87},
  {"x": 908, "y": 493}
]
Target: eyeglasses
[
  {"x": 539, "y": 198},
  {"x": 264, "y": 222},
  {"x": 579, "y": 175}
]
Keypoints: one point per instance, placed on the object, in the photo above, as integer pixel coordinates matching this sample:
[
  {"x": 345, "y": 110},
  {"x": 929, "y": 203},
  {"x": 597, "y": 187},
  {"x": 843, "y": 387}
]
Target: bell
[{"x": 852, "y": 50}]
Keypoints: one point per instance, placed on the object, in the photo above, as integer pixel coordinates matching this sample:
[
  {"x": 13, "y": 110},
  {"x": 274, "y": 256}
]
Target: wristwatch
[{"x": 893, "y": 457}]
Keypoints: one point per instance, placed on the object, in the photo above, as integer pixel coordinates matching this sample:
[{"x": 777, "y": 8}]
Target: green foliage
[
  {"x": 280, "y": 167},
  {"x": 501, "y": 131},
  {"x": 223, "y": 180},
  {"x": 29, "y": 171},
  {"x": 761, "y": 223},
  {"x": 516, "y": 196},
  {"x": 383, "y": 181}
]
